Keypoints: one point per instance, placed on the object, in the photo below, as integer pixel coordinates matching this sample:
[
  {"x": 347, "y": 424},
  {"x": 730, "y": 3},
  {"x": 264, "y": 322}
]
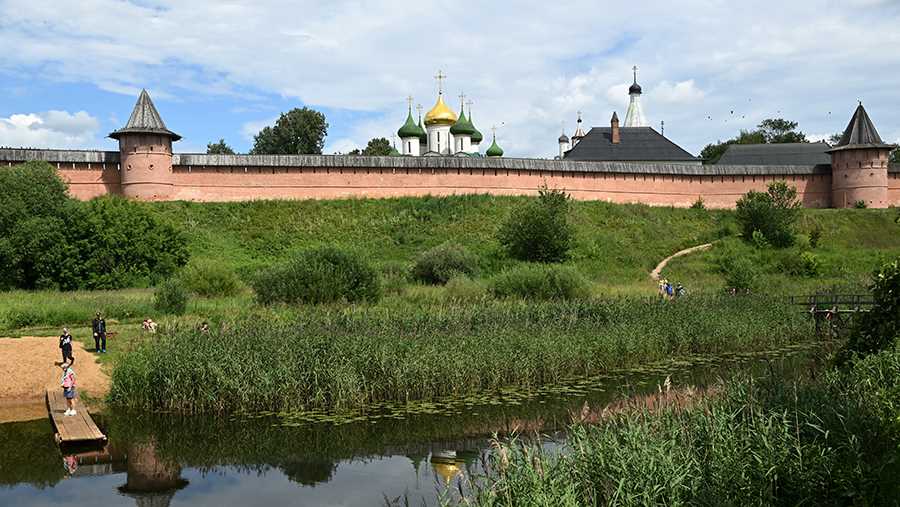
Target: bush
[
  {"x": 815, "y": 235},
  {"x": 464, "y": 289},
  {"x": 801, "y": 264},
  {"x": 443, "y": 262},
  {"x": 170, "y": 297},
  {"x": 210, "y": 279},
  {"x": 323, "y": 275},
  {"x": 860, "y": 204},
  {"x": 534, "y": 281},
  {"x": 739, "y": 272},
  {"x": 539, "y": 231},
  {"x": 49, "y": 240},
  {"x": 698, "y": 204},
  {"x": 772, "y": 213},
  {"x": 879, "y": 328}
]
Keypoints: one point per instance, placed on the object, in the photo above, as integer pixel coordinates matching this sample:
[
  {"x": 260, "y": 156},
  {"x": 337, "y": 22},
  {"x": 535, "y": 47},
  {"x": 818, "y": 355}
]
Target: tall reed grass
[
  {"x": 343, "y": 358},
  {"x": 835, "y": 441}
]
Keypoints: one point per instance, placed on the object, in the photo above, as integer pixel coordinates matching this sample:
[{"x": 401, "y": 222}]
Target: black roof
[
  {"x": 777, "y": 154},
  {"x": 635, "y": 144},
  {"x": 860, "y": 133}
]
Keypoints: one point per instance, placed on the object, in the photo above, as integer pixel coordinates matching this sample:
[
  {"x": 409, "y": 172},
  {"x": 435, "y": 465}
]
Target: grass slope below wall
[{"x": 617, "y": 244}]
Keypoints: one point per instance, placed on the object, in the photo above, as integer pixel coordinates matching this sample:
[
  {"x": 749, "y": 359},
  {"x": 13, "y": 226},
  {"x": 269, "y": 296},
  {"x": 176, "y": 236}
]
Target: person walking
[
  {"x": 68, "y": 385},
  {"x": 65, "y": 346},
  {"x": 99, "y": 326}
]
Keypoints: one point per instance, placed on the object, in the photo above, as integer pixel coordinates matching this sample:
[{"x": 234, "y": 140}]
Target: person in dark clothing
[
  {"x": 65, "y": 345},
  {"x": 99, "y": 326}
]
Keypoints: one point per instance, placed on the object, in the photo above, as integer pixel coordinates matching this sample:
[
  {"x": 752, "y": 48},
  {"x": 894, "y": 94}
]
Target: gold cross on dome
[{"x": 440, "y": 79}]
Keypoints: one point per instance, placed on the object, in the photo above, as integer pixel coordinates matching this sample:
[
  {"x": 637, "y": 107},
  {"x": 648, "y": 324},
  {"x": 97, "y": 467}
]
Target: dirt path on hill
[
  {"x": 28, "y": 367},
  {"x": 657, "y": 271}
]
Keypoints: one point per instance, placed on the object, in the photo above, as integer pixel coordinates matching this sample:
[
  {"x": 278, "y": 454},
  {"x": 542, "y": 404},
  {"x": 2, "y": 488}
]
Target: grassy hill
[{"x": 616, "y": 248}]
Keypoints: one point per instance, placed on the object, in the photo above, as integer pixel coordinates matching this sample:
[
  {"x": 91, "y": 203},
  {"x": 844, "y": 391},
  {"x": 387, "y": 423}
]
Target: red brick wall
[
  {"x": 87, "y": 181},
  {"x": 237, "y": 184}
]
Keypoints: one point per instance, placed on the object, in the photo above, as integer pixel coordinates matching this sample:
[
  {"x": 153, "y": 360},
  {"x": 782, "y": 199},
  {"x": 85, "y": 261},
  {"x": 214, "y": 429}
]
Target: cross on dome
[{"x": 440, "y": 76}]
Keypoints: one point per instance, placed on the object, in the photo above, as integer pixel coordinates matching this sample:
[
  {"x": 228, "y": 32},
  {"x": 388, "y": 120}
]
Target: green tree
[
  {"x": 779, "y": 130},
  {"x": 770, "y": 130},
  {"x": 835, "y": 138},
  {"x": 49, "y": 240},
  {"x": 219, "y": 148},
  {"x": 879, "y": 328},
  {"x": 770, "y": 213},
  {"x": 378, "y": 146},
  {"x": 300, "y": 131},
  {"x": 895, "y": 156},
  {"x": 540, "y": 230}
]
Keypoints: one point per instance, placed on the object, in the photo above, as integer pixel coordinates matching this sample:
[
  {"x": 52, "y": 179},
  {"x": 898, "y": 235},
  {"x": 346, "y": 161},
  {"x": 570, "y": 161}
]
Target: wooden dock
[{"x": 76, "y": 429}]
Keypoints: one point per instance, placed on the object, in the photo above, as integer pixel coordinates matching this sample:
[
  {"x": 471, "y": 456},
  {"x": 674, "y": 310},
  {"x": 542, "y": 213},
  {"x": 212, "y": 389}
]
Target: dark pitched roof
[
  {"x": 777, "y": 154},
  {"x": 860, "y": 133},
  {"x": 145, "y": 119},
  {"x": 636, "y": 144}
]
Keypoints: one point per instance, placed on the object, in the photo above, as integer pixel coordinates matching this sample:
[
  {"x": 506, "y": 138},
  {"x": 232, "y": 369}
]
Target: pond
[{"x": 386, "y": 456}]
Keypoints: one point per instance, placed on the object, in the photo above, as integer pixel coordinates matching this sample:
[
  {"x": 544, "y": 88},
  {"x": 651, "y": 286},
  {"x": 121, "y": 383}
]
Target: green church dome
[
  {"x": 462, "y": 126},
  {"x": 494, "y": 150},
  {"x": 423, "y": 136},
  {"x": 394, "y": 152},
  {"x": 409, "y": 129}
]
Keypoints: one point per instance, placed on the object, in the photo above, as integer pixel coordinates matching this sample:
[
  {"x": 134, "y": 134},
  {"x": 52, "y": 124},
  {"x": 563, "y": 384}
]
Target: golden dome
[{"x": 440, "y": 114}]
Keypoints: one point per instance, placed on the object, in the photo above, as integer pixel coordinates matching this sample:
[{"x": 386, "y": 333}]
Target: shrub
[
  {"x": 739, "y": 272},
  {"x": 210, "y": 279},
  {"x": 464, "y": 289},
  {"x": 815, "y": 235},
  {"x": 772, "y": 213},
  {"x": 322, "y": 275},
  {"x": 879, "y": 328},
  {"x": 801, "y": 264},
  {"x": 443, "y": 262},
  {"x": 170, "y": 297},
  {"x": 759, "y": 240},
  {"x": 860, "y": 204},
  {"x": 49, "y": 240},
  {"x": 698, "y": 204},
  {"x": 534, "y": 281},
  {"x": 539, "y": 230}
]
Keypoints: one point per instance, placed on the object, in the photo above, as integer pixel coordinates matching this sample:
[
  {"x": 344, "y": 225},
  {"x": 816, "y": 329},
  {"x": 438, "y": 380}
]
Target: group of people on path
[
  {"x": 98, "y": 326},
  {"x": 667, "y": 290}
]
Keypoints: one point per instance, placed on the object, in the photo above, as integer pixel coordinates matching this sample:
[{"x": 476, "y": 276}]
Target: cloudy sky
[{"x": 71, "y": 70}]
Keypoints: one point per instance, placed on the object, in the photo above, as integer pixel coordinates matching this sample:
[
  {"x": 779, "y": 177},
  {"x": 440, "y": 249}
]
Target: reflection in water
[
  {"x": 151, "y": 479},
  {"x": 264, "y": 462}
]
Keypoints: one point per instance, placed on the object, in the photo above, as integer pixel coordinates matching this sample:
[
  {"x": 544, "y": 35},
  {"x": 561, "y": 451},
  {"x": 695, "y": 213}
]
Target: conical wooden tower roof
[
  {"x": 145, "y": 119},
  {"x": 860, "y": 133}
]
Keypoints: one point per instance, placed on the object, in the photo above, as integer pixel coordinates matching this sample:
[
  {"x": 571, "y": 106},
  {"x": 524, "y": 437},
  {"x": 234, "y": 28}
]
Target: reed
[
  {"x": 343, "y": 358},
  {"x": 831, "y": 441}
]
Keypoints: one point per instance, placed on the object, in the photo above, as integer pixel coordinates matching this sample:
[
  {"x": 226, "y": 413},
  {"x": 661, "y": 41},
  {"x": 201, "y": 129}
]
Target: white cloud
[
  {"x": 682, "y": 92},
  {"x": 707, "y": 68},
  {"x": 50, "y": 129}
]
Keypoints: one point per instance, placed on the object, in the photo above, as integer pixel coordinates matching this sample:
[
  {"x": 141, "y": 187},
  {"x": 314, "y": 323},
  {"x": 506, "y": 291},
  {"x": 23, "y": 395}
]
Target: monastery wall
[{"x": 209, "y": 178}]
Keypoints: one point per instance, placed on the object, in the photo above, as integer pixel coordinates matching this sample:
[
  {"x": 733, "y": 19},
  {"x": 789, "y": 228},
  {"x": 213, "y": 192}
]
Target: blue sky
[{"x": 71, "y": 71}]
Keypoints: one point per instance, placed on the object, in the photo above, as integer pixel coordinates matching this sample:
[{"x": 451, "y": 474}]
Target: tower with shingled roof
[
  {"x": 859, "y": 165},
  {"x": 145, "y": 153}
]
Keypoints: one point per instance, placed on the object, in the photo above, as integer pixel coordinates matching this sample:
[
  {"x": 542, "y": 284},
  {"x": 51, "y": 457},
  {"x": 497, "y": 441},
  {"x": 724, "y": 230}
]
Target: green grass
[
  {"x": 617, "y": 244},
  {"x": 831, "y": 441},
  {"x": 346, "y": 358}
]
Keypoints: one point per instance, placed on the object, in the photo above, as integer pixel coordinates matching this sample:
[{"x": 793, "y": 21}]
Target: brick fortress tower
[
  {"x": 859, "y": 165},
  {"x": 145, "y": 151}
]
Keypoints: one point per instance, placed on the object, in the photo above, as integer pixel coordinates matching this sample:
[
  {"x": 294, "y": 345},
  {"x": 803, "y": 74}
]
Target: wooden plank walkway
[{"x": 79, "y": 428}]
